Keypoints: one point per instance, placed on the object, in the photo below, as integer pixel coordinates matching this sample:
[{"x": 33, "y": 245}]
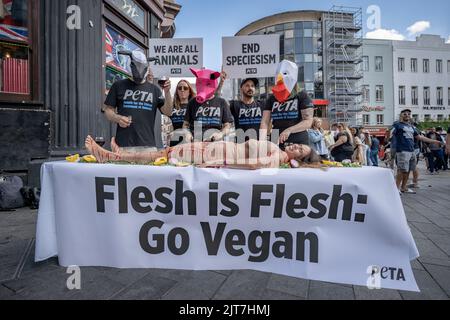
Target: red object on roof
[{"x": 321, "y": 102}]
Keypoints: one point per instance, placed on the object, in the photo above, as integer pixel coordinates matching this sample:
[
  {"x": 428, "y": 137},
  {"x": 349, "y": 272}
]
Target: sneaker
[{"x": 409, "y": 191}]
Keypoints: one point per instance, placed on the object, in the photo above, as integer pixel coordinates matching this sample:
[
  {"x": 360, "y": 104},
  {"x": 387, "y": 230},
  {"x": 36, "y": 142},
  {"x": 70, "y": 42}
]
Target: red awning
[{"x": 321, "y": 102}]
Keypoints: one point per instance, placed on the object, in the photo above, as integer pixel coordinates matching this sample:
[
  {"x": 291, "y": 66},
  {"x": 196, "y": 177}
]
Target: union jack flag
[{"x": 13, "y": 33}]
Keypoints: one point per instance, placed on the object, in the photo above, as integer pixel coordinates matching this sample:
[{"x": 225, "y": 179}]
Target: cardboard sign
[
  {"x": 176, "y": 56},
  {"x": 251, "y": 56}
]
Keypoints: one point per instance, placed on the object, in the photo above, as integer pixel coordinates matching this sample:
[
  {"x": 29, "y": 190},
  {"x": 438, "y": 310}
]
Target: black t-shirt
[
  {"x": 247, "y": 116},
  {"x": 343, "y": 151},
  {"x": 140, "y": 101},
  {"x": 288, "y": 114},
  {"x": 177, "y": 116},
  {"x": 211, "y": 115}
]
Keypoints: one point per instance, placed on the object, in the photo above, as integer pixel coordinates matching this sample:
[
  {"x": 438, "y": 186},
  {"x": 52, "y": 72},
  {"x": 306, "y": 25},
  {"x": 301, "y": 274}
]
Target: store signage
[
  {"x": 132, "y": 10},
  {"x": 436, "y": 108},
  {"x": 251, "y": 56},
  {"x": 176, "y": 56},
  {"x": 372, "y": 109}
]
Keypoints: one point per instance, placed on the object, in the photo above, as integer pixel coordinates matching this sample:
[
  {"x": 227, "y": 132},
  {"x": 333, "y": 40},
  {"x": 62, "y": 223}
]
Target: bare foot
[
  {"x": 114, "y": 146},
  {"x": 98, "y": 152}
]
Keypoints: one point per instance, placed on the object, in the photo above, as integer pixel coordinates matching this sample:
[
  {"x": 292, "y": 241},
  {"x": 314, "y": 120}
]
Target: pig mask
[
  {"x": 285, "y": 80},
  {"x": 206, "y": 83}
]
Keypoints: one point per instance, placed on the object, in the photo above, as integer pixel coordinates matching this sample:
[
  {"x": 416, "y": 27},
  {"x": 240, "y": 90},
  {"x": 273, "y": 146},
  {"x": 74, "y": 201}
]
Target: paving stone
[
  {"x": 147, "y": 288},
  {"x": 430, "y": 290},
  {"x": 5, "y": 293},
  {"x": 289, "y": 285},
  {"x": 327, "y": 291},
  {"x": 427, "y": 228},
  {"x": 429, "y": 249},
  {"x": 443, "y": 242},
  {"x": 11, "y": 252},
  {"x": 441, "y": 275},
  {"x": 224, "y": 272},
  {"x": 417, "y": 265},
  {"x": 243, "y": 285},
  {"x": 269, "y": 294},
  {"x": 434, "y": 261},
  {"x": 363, "y": 293},
  {"x": 416, "y": 233},
  {"x": 199, "y": 286}
]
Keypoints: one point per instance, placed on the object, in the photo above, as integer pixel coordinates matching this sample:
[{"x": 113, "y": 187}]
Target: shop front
[{"x": 58, "y": 59}]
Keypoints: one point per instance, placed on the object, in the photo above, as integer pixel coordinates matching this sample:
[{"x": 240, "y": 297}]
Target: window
[
  {"x": 439, "y": 66},
  {"x": 366, "y": 119},
  {"x": 440, "y": 117},
  {"x": 131, "y": 10},
  {"x": 401, "y": 64},
  {"x": 426, "y": 96},
  {"x": 415, "y": 96},
  {"x": 365, "y": 63},
  {"x": 401, "y": 95},
  {"x": 366, "y": 94},
  {"x": 415, "y": 117},
  {"x": 117, "y": 67},
  {"x": 448, "y": 66},
  {"x": 427, "y": 117},
  {"x": 378, "y": 64},
  {"x": 448, "y": 95},
  {"x": 426, "y": 66},
  {"x": 440, "y": 96},
  {"x": 379, "y": 93},
  {"x": 380, "y": 119},
  {"x": 18, "y": 62},
  {"x": 413, "y": 65}
]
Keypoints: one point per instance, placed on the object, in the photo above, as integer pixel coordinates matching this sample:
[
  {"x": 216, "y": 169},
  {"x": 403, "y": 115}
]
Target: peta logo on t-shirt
[
  {"x": 138, "y": 95},
  {"x": 408, "y": 132},
  {"x": 288, "y": 106},
  {"x": 179, "y": 113},
  {"x": 250, "y": 113},
  {"x": 208, "y": 112}
]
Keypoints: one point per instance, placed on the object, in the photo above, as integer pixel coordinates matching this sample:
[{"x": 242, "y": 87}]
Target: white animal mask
[{"x": 285, "y": 80}]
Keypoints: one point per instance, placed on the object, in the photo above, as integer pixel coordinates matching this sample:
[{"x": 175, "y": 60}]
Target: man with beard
[
  {"x": 247, "y": 111},
  {"x": 133, "y": 104}
]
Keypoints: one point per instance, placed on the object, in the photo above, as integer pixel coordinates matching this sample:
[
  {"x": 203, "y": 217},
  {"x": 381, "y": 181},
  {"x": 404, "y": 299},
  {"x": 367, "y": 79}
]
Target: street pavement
[{"x": 428, "y": 214}]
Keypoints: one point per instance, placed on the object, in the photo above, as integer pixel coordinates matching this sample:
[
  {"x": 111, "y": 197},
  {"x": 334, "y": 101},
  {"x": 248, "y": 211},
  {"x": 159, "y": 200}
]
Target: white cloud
[
  {"x": 385, "y": 34},
  {"x": 448, "y": 40},
  {"x": 418, "y": 27}
]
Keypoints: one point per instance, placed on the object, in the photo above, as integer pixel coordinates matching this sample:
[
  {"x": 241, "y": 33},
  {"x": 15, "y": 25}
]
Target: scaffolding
[{"x": 343, "y": 40}]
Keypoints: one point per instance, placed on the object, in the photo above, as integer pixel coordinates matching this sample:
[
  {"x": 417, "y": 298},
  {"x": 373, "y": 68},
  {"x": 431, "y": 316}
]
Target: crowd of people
[{"x": 202, "y": 119}]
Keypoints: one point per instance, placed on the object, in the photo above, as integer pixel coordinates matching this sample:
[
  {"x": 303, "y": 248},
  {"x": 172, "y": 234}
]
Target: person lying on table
[{"x": 253, "y": 154}]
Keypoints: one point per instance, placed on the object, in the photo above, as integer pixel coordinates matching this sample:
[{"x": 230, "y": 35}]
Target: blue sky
[{"x": 213, "y": 19}]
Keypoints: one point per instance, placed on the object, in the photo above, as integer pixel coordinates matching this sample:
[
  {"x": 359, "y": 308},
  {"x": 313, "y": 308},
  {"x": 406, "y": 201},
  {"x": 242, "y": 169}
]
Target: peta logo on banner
[
  {"x": 251, "y": 71},
  {"x": 377, "y": 273}
]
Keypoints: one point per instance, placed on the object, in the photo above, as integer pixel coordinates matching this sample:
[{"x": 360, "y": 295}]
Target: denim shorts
[{"x": 406, "y": 161}]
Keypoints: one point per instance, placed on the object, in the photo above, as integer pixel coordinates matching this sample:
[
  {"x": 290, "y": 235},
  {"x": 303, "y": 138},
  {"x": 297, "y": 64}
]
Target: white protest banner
[
  {"x": 176, "y": 56},
  {"x": 344, "y": 225},
  {"x": 251, "y": 56}
]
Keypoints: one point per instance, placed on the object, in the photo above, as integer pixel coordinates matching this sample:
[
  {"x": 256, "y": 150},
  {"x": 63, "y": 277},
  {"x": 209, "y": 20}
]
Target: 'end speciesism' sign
[
  {"x": 251, "y": 56},
  {"x": 176, "y": 56}
]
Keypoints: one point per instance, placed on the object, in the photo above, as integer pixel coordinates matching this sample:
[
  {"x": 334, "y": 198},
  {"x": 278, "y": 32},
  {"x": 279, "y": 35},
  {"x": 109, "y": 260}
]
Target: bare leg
[{"x": 102, "y": 155}]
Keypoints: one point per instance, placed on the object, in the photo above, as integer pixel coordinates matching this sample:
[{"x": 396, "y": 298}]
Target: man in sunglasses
[{"x": 405, "y": 136}]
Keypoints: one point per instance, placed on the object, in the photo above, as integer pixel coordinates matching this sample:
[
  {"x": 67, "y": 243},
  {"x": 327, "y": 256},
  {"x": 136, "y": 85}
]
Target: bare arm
[
  {"x": 112, "y": 116},
  {"x": 342, "y": 139},
  {"x": 427, "y": 140},
  {"x": 167, "y": 108},
  {"x": 305, "y": 124}
]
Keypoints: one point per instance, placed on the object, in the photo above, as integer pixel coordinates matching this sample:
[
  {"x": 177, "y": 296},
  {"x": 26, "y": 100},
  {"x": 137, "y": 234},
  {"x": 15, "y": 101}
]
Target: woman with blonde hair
[
  {"x": 183, "y": 93},
  {"x": 343, "y": 148},
  {"x": 317, "y": 139}
]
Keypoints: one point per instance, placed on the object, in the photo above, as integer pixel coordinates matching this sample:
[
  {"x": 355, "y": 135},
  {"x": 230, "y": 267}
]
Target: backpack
[{"x": 10, "y": 195}]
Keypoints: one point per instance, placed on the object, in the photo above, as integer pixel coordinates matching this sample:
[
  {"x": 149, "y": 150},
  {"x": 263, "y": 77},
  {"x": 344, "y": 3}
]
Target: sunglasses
[{"x": 182, "y": 88}]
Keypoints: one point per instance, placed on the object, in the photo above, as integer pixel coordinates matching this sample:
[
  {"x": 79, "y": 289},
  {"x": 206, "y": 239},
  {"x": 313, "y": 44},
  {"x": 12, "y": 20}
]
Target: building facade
[
  {"x": 58, "y": 59},
  {"x": 326, "y": 47},
  {"x": 377, "y": 102},
  {"x": 422, "y": 77}
]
